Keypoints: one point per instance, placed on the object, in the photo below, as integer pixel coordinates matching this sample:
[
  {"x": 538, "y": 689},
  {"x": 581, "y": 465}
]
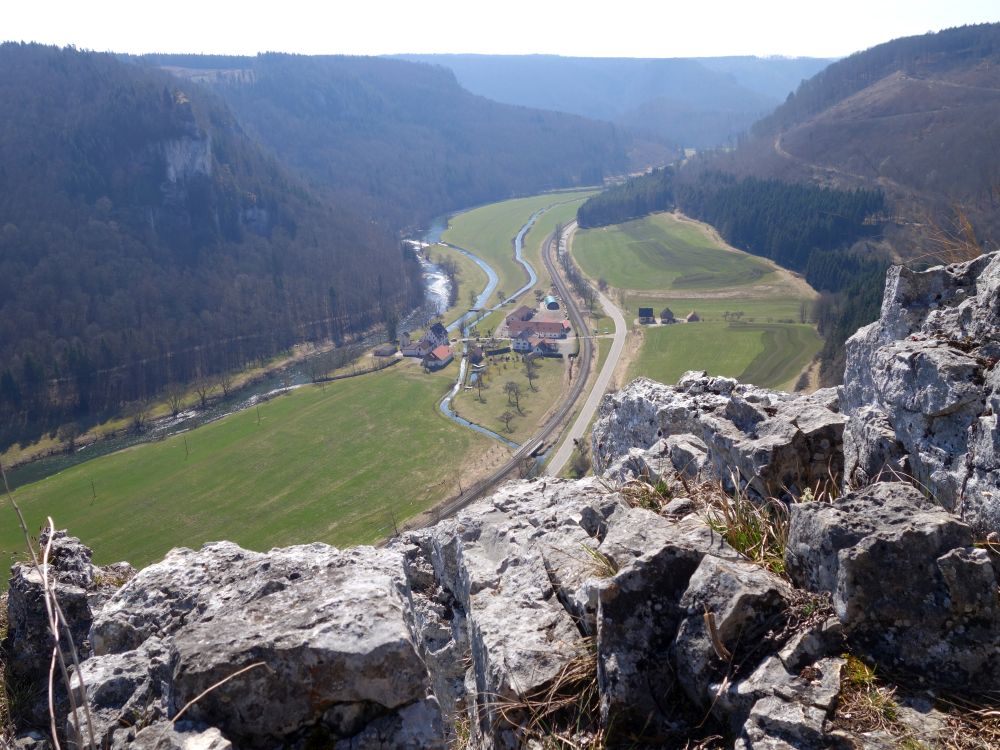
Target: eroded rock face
[
  {"x": 80, "y": 587},
  {"x": 922, "y": 389},
  {"x": 767, "y": 442},
  {"x": 329, "y": 630},
  {"x": 907, "y": 583}
]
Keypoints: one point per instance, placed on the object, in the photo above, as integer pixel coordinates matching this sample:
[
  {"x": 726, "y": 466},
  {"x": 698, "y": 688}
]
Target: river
[{"x": 437, "y": 293}]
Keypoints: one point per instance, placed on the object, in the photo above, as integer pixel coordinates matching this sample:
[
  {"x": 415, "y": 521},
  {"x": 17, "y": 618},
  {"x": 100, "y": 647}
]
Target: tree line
[
  {"x": 146, "y": 241},
  {"x": 820, "y": 232}
]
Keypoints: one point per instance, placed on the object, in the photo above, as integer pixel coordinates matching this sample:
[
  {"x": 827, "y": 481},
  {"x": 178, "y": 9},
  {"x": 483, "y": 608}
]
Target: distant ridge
[
  {"x": 918, "y": 117},
  {"x": 405, "y": 135},
  {"x": 691, "y": 102}
]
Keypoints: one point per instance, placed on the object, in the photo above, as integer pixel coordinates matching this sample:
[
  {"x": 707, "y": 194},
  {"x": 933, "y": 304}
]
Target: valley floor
[{"x": 753, "y": 315}]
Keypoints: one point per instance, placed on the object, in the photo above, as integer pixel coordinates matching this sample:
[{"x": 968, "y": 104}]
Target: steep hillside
[
  {"x": 918, "y": 117},
  {"x": 405, "y": 134},
  {"x": 696, "y": 102},
  {"x": 145, "y": 239}
]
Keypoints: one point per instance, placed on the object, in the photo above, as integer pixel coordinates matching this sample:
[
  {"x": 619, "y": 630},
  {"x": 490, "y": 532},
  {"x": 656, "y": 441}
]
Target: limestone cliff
[{"x": 608, "y": 611}]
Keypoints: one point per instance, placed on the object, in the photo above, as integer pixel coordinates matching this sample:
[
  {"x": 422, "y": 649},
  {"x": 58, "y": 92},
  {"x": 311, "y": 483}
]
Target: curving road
[
  {"x": 552, "y": 425},
  {"x": 579, "y": 428}
]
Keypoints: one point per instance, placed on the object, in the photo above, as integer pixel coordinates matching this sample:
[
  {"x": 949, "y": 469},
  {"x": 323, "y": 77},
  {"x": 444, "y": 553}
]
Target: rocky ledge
[{"x": 613, "y": 611}]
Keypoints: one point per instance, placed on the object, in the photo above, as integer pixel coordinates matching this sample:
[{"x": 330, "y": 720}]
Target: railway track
[{"x": 556, "y": 421}]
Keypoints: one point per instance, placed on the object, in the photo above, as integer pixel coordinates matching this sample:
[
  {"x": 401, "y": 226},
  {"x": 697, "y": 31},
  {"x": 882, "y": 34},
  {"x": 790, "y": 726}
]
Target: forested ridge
[
  {"x": 921, "y": 55},
  {"x": 403, "y": 135},
  {"x": 146, "y": 240},
  {"x": 817, "y": 231}
]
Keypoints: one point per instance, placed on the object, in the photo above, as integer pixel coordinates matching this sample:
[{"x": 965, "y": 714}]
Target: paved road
[
  {"x": 554, "y": 422},
  {"x": 579, "y": 428}
]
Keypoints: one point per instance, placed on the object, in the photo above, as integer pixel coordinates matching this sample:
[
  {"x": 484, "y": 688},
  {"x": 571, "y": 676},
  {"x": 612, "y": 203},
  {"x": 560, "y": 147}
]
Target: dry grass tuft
[
  {"x": 757, "y": 530},
  {"x": 640, "y": 493},
  {"x": 969, "y": 726},
  {"x": 604, "y": 566},
  {"x": 565, "y": 714},
  {"x": 865, "y": 705},
  {"x": 954, "y": 242}
]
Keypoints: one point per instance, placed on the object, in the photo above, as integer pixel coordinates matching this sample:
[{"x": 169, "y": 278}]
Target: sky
[{"x": 608, "y": 28}]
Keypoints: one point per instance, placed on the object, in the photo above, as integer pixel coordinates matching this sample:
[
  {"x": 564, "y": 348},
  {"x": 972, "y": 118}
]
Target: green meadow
[
  {"x": 661, "y": 252},
  {"x": 335, "y": 464},
  {"x": 754, "y": 319},
  {"x": 489, "y": 232},
  {"x": 767, "y": 354}
]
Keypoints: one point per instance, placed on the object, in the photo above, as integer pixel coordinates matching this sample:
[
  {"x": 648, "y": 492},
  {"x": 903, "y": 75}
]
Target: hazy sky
[{"x": 626, "y": 28}]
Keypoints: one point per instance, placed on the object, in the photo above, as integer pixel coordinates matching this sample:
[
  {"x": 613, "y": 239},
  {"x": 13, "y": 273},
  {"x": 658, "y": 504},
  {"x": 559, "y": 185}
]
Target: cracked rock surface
[{"x": 922, "y": 388}]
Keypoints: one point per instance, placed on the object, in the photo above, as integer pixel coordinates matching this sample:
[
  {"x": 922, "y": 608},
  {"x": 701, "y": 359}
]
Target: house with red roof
[{"x": 438, "y": 357}]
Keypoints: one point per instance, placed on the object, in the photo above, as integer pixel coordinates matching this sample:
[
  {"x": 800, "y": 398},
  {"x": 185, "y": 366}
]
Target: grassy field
[
  {"x": 768, "y": 354},
  {"x": 753, "y": 318},
  {"x": 660, "y": 252},
  {"x": 534, "y": 404},
  {"x": 489, "y": 232},
  {"x": 330, "y": 464}
]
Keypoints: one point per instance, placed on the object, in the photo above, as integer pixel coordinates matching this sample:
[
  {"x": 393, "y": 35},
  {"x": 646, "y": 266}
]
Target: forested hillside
[
  {"x": 689, "y": 102},
  {"x": 145, "y": 239},
  {"x": 403, "y": 134},
  {"x": 918, "y": 117},
  {"x": 890, "y": 153}
]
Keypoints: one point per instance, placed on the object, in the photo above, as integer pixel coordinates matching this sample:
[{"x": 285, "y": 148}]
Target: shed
[
  {"x": 667, "y": 316},
  {"x": 551, "y": 303},
  {"x": 692, "y": 317}
]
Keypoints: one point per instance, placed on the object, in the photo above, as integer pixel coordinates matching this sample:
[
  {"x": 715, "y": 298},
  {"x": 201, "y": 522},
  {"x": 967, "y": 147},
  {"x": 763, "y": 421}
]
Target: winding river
[
  {"x": 437, "y": 292},
  {"x": 471, "y": 318}
]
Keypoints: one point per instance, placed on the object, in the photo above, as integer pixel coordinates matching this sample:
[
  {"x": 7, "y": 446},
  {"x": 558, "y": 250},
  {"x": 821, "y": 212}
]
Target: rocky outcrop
[
  {"x": 80, "y": 588},
  {"x": 548, "y": 593},
  {"x": 907, "y": 583},
  {"x": 749, "y": 438},
  {"x": 922, "y": 388},
  {"x": 301, "y": 642}
]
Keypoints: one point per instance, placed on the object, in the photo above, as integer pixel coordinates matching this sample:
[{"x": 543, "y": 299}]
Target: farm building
[
  {"x": 521, "y": 314},
  {"x": 438, "y": 334},
  {"x": 667, "y": 316},
  {"x": 550, "y": 329},
  {"x": 522, "y": 341},
  {"x": 411, "y": 348},
  {"x": 551, "y": 303},
  {"x": 438, "y": 358},
  {"x": 543, "y": 347},
  {"x": 435, "y": 337},
  {"x": 646, "y": 315},
  {"x": 692, "y": 317}
]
